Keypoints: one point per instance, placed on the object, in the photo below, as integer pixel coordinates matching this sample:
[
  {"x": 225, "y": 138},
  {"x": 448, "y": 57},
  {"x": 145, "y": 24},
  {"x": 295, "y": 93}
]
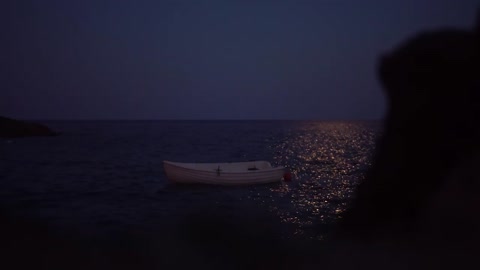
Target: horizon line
[{"x": 117, "y": 119}]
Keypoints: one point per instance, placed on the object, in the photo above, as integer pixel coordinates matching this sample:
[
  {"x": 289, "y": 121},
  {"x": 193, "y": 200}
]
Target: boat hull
[{"x": 213, "y": 174}]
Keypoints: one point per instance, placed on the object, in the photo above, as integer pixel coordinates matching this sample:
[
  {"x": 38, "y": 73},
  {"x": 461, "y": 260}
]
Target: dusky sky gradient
[{"x": 115, "y": 59}]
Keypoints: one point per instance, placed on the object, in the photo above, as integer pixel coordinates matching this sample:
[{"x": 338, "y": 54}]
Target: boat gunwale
[{"x": 175, "y": 164}]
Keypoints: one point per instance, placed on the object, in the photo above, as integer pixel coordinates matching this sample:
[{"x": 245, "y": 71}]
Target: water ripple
[{"x": 99, "y": 172}]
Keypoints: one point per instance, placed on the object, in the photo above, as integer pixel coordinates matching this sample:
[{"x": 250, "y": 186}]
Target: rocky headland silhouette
[{"x": 11, "y": 128}]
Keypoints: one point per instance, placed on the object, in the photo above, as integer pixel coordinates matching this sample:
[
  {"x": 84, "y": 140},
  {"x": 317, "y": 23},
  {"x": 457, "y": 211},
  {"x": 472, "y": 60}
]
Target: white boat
[{"x": 233, "y": 173}]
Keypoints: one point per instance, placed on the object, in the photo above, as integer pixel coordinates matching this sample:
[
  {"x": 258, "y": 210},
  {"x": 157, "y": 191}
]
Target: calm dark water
[{"x": 107, "y": 177}]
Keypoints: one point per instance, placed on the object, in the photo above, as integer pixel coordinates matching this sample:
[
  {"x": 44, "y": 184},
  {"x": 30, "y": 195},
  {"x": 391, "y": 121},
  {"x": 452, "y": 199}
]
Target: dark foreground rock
[
  {"x": 10, "y": 128},
  {"x": 419, "y": 205},
  {"x": 431, "y": 128}
]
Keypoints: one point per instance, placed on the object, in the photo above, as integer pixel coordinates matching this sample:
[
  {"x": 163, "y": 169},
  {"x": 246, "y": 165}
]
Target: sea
[{"x": 106, "y": 177}]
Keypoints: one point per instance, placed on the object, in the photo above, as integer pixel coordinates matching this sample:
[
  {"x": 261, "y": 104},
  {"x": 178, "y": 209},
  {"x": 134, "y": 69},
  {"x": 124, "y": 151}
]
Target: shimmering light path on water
[{"x": 327, "y": 160}]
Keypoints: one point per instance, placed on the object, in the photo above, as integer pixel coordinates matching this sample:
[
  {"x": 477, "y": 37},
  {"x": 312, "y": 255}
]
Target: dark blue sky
[{"x": 113, "y": 59}]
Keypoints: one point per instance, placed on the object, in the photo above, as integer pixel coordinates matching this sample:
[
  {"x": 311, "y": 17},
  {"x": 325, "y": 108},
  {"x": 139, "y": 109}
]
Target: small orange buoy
[{"x": 287, "y": 176}]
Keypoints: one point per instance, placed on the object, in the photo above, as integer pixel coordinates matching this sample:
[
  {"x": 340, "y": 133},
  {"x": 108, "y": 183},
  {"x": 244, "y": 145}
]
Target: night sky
[{"x": 113, "y": 59}]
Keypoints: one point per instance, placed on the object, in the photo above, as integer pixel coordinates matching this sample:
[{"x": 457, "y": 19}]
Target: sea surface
[{"x": 106, "y": 177}]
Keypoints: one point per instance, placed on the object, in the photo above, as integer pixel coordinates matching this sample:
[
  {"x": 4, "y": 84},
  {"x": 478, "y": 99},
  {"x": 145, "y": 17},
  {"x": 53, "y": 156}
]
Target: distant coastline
[{"x": 12, "y": 128}]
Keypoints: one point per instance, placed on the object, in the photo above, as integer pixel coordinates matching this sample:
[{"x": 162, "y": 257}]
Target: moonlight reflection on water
[{"x": 327, "y": 161}]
